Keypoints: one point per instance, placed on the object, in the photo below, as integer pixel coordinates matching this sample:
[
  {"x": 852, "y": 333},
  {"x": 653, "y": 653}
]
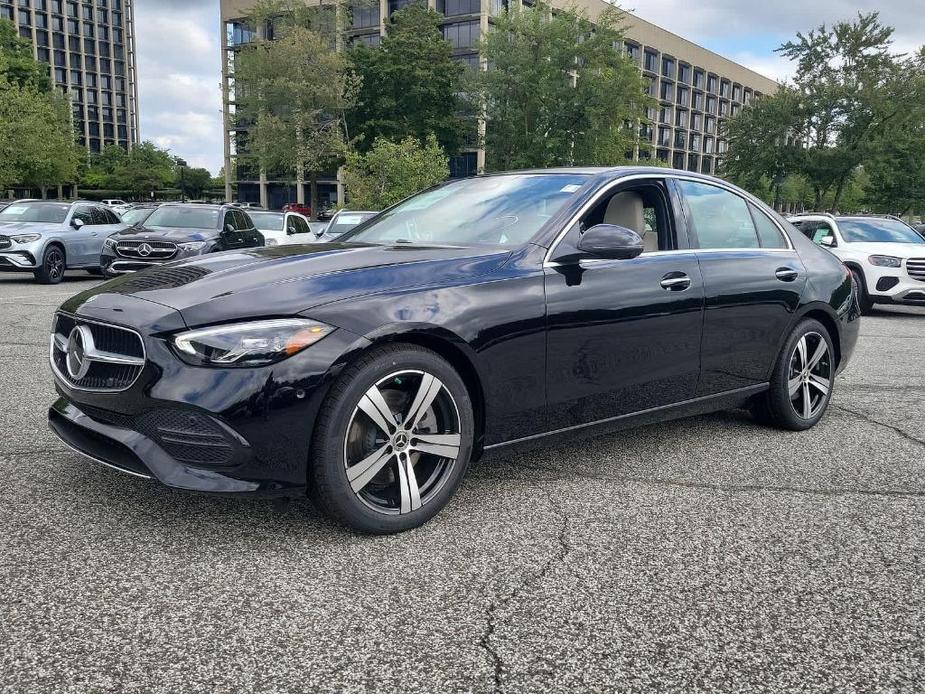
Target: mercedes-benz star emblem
[
  {"x": 144, "y": 250},
  {"x": 78, "y": 343}
]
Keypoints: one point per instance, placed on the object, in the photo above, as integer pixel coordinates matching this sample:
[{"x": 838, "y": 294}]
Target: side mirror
[
  {"x": 610, "y": 241},
  {"x": 76, "y": 223},
  {"x": 229, "y": 228},
  {"x": 827, "y": 241}
]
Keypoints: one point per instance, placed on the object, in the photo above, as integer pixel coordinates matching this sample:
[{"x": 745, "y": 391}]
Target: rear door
[
  {"x": 300, "y": 230},
  {"x": 753, "y": 280},
  {"x": 624, "y": 335},
  {"x": 231, "y": 234},
  {"x": 250, "y": 237}
]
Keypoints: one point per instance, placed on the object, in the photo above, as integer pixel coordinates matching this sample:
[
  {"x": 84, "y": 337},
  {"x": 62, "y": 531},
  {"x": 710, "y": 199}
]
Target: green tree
[
  {"x": 292, "y": 92},
  {"x": 145, "y": 169},
  {"x": 391, "y": 171},
  {"x": 558, "y": 91},
  {"x": 17, "y": 66},
  {"x": 193, "y": 182},
  {"x": 410, "y": 84}
]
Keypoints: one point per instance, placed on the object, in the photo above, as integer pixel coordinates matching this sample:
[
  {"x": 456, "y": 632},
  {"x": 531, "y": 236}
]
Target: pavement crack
[
  {"x": 557, "y": 476},
  {"x": 902, "y": 432},
  {"x": 486, "y": 642}
]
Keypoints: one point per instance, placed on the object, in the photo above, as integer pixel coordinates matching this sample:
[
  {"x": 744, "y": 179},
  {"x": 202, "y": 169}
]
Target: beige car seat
[{"x": 626, "y": 210}]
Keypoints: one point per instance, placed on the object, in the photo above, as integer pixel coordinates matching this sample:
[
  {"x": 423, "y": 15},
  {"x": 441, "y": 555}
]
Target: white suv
[{"x": 885, "y": 255}]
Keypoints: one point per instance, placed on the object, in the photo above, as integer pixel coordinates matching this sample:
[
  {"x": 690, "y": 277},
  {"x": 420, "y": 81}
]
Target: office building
[
  {"x": 695, "y": 89},
  {"x": 89, "y": 47}
]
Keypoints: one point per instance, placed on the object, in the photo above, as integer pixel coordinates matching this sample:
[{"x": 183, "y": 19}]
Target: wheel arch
[
  {"x": 825, "y": 315},
  {"x": 452, "y": 348}
]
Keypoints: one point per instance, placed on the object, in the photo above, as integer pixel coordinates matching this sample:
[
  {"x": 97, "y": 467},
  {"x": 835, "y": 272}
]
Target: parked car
[
  {"x": 488, "y": 313},
  {"x": 248, "y": 205},
  {"x": 47, "y": 237},
  {"x": 116, "y": 205},
  {"x": 343, "y": 221},
  {"x": 302, "y": 209},
  {"x": 178, "y": 231},
  {"x": 279, "y": 228},
  {"x": 137, "y": 214},
  {"x": 921, "y": 229},
  {"x": 885, "y": 255}
]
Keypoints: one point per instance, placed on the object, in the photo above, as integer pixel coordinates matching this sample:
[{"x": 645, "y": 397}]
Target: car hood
[
  {"x": 899, "y": 250},
  {"x": 11, "y": 228},
  {"x": 286, "y": 280},
  {"x": 143, "y": 233}
]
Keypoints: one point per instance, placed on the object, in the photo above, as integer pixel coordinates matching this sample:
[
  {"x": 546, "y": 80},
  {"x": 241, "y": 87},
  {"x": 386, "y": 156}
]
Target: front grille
[
  {"x": 5, "y": 242},
  {"x": 111, "y": 358},
  {"x": 916, "y": 268},
  {"x": 147, "y": 250}
]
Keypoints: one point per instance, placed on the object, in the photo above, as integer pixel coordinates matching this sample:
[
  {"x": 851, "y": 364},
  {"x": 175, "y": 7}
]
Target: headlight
[
  {"x": 191, "y": 245},
  {"x": 249, "y": 344},
  {"x": 885, "y": 261},
  {"x": 26, "y": 238},
  {"x": 110, "y": 243}
]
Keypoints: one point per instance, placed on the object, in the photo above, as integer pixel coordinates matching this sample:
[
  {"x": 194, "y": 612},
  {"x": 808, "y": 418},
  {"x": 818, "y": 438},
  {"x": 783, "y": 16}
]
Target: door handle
[
  {"x": 786, "y": 274},
  {"x": 676, "y": 282}
]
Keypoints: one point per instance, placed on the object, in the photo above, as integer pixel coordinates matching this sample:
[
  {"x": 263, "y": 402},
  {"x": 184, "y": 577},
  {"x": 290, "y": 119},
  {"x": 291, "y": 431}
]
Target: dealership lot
[{"x": 695, "y": 555}]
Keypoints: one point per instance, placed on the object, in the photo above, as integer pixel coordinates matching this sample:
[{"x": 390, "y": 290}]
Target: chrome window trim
[
  {"x": 665, "y": 176},
  {"x": 60, "y": 377}
]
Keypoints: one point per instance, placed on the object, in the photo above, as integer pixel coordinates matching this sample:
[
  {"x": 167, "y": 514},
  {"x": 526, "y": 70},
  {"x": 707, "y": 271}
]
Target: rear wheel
[
  {"x": 801, "y": 385},
  {"x": 53, "y": 265},
  {"x": 864, "y": 301},
  {"x": 393, "y": 440}
]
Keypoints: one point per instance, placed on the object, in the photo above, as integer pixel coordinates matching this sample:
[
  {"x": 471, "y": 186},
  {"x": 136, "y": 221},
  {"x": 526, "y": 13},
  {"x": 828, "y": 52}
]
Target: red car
[{"x": 297, "y": 207}]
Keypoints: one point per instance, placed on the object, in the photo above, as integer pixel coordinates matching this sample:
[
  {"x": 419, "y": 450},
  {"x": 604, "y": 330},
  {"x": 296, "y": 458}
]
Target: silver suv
[{"x": 47, "y": 237}]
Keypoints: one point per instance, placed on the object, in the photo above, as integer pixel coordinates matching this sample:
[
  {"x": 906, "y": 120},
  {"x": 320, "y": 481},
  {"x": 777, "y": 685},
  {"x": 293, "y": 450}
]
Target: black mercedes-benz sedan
[
  {"x": 481, "y": 314},
  {"x": 176, "y": 230}
]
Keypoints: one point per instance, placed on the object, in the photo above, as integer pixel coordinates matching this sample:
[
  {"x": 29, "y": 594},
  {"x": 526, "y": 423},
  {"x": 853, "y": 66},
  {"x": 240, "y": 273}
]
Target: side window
[
  {"x": 768, "y": 233},
  {"x": 302, "y": 226},
  {"x": 84, "y": 214},
  {"x": 720, "y": 219},
  {"x": 821, "y": 230},
  {"x": 229, "y": 220},
  {"x": 243, "y": 221},
  {"x": 111, "y": 217},
  {"x": 643, "y": 208}
]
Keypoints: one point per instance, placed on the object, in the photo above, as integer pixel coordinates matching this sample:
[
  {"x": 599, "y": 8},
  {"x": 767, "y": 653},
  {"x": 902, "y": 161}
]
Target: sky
[{"x": 179, "y": 56}]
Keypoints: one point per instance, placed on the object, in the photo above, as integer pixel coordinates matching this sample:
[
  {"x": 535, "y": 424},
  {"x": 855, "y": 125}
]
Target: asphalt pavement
[{"x": 708, "y": 554}]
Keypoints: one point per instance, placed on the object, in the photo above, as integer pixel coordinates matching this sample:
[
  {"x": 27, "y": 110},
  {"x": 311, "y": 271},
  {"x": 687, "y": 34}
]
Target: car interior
[{"x": 642, "y": 208}]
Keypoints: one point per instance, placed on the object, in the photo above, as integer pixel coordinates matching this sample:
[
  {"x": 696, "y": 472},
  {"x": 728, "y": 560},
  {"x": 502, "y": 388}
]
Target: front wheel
[
  {"x": 801, "y": 384},
  {"x": 52, "y": 268},
  {"x": 393, "y": 440},
  {"x": 864, "y": 302}
]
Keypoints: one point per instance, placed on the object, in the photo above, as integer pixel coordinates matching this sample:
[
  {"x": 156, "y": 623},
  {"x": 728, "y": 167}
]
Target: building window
[
  {"x": 684, "y": 73},
  {"x": 365, "y": 16},
  {"x": 677, "y": 161},
  {"x": 632, "y": 51},
  {"x": 693, "y": 162},
  {"x": 664, "y": 137},
  {"x": 451, "y": 8},
  {"x": 462, "y": 165},
  {"x": 696, "y": 121},
  {"x": 712, "y": 81},
  {"x": 681, "y": 118},
  {"x": 668, "y": 67},
  {"x": 664, "y": 115},
  {"x": 667, "y": 91},
  {"x": 724, "y": 89},
  {"x": 371, "y": 40},
  {"x": 396, "y": 5},
  {"x": 736, "y": 92},
  {"x": 695, "y": 142},
  {"x": 462, "y": 35},
  {"x": 711, "y": 104},
  {"x": 709, "y": 124},
  {"x": 680, "y": 139},
  {"x": 697, "y": 103},
  {"x": 650, "y": 62},
  {"x": 708, "y": 146},
  {"x": 683, "y": 93}
]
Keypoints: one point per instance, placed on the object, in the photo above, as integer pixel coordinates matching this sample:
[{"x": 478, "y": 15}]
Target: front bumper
[
  {"x": 120, "y": 265},
  {"x": 889, "y": 285},
  {"x": 228, "y": 431},
  {"x": 20, "y": 260}
]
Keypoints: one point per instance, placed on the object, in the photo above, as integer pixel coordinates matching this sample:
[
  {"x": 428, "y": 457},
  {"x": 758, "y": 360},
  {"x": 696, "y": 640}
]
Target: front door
[
  {"x": 623, "y": 336},
  {"x": 753, "y": 280},
  {"x": 83, "y": 245}
]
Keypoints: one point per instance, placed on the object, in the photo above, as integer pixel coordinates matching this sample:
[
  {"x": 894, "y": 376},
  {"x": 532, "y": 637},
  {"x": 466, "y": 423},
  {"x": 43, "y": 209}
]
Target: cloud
[{"x": 179, "y": 78}]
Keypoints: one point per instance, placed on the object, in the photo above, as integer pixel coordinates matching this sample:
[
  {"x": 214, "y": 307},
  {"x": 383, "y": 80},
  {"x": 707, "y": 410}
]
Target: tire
[
  {"x": 864, "y": 302},
  {"x": 784, "y": 405},
  {"x": 368, "y": 478},
  {"x": 51, "y": 271}
]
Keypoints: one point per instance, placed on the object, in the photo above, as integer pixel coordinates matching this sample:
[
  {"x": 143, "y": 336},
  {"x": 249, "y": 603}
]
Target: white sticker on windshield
[
  {"x": 13, "y": 209},
  {"x": 570, "y": 188},
  {"x": 349, "y": 219}
]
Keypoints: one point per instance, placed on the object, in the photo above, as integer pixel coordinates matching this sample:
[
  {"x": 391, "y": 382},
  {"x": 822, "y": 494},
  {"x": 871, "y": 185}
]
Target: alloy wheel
[
  {"x": 54, "y": 264},
  {"x": 402, "y": 442},
  {"x": 810, "y": 377}
]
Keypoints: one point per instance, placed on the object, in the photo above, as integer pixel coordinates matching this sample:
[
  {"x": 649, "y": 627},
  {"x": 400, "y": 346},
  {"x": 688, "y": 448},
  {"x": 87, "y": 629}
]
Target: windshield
[
  {"x": 345, "y": 221},
  {"x": 267, "y": 221},
  {"x": 48, "y": 212},
  {"x": 135, "y": 216},
  {"x": 493, "y": 210},
  {"x": 877, "y": 231},
  {"x": 184, "y": 218}
]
